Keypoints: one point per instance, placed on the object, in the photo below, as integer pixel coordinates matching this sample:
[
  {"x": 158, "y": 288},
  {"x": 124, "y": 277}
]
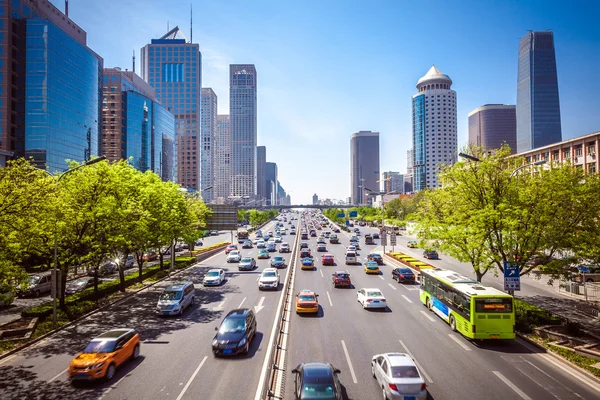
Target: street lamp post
[{"x": 55, "y": 267}]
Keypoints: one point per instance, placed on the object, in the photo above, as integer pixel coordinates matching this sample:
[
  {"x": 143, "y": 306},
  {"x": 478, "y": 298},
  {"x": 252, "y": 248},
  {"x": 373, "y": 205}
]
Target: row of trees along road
[
  {"x": 487, "y": 214},
  {"x": 256, "y": 217},
  {"x": 99, "y": 212}
]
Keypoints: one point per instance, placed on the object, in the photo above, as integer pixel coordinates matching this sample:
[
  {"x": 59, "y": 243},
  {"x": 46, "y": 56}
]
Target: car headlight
[
  {"x": 242, "y": 342},
  {"x": 98, "y": 365},
  {"x": 215, "y": 342}
]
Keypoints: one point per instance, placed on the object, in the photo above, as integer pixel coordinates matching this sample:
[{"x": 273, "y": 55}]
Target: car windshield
[
  {"x": 171, "y": 295},
  {"x": 374, "y": 294},
  {"x": 234, "y": 253},
  {"x": 233, "y": 325},
  {"x": 405, "y": 371},
  {"x": 277, "y": 258},
  {"x": 246, "y": 260},
  {"x": 34, "y": 280},
  {"x": 212, "y": 273},
  {"x": 100, "y": 346},
  {"x": 405, "y": 271},
  {"x": 79, "y": 282},
  {"x": 269, "y": 274},
  {"x": 343, "y": 276},
  {"x": 307, "y": 297}
]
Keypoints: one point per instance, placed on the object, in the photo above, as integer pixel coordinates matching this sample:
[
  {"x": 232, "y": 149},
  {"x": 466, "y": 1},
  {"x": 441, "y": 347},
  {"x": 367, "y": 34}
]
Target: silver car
[{"x": 398, "y": 376}]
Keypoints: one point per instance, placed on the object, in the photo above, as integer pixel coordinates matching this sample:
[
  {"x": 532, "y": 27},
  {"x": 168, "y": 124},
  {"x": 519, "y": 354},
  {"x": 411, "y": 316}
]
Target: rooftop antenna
[
  {"x": 191, "y": 41},
  {"x": 67, "y": 8},
  {"x": 133, "y": 61}
]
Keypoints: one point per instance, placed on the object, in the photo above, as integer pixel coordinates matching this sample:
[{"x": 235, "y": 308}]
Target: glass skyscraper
[
  {"x": 243, "y": 114},
  {"x": 222, "y": 163},
  {"x": 364, "y": 165},
  {"x": 492, "y": 125},
  {"x": 173, "y": 66},
  {"x": 62, "y": 97},
  {"x": 209, "y": 131},
  {"x": 538, "y": 107}
]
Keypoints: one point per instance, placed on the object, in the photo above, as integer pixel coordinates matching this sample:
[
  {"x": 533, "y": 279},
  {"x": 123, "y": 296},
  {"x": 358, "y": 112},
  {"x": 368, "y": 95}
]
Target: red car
[
  {"x": 230, "y": 248},
  {"x": 327, "y": 259},
  {"x": 341, "y": 278}
]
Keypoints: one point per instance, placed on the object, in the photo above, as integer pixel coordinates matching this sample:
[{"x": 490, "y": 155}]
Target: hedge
[{"x": 529, "y": 316}]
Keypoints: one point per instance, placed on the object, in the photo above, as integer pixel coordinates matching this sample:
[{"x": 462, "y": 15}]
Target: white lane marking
[
  {"x": 260, "y": 305},
  {"x": 349, "y": 363},
  {"x": 416, "y": 362},
  {"x": 7, "y": 359},
  {"x": 429, "y": 317},
  {"x": 392, "y": 286},
  {"x": 56, "y": 377},
  {"x": 381, "y": 277},
  {"x": 511, "y": 385},
  {"x": 257, "y": 278},
  {"x": 219, "y": 307},
  {"x": 407, "y": 299},
  {"x": 240, "y": 306},
  {"x": 330, "y": 303},
  {"x": 187, "y": 385},
  {"x": 548, "y": 375},
  {"x": 461, "y": 344},
  {"x": 321, "y": 271}
]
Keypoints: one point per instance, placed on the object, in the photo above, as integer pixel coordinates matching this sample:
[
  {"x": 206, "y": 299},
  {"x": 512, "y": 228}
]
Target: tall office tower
[
  {"x": 492, "y": 125},
  {"x": 393, "y": 182},
  {"x": 271, "y": 183},
  {"x": 135, "y": 125},
  {"x": 434, "y": 128},
  {"x": 208, "y": 133},
  {"x": 364, "y": 165},
  {"x": 315, "y": 199},
  {"x": 242, "y": 110},
  {"x": 50, "y": 86},
  {"x": 538, "y": 108},
  {"x": 173, "y": 66},
  {"x": 261, "y": 178},
  {"x": 408, "y": 177},
  {"x": 281, "y": 194},
  {"x": 222, "y": 171}
]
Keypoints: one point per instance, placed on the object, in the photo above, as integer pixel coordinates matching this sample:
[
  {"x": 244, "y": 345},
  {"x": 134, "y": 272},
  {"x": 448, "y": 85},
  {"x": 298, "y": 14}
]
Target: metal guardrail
[{"x": 272, "y": 366}]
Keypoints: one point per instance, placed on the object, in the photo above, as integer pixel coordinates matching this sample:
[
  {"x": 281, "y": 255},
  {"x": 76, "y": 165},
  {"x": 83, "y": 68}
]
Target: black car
[
  {"x": 403, "y": 275},
  {"x": 431, "y": 255},
  {"x": 317, "y": 381},
  {"x": 235, "y": 333},
  {"x": 376, "y": 235},
  {"x": 303, "y": 245},
  {"x": 321, "y": 247},
  {"x": 375, "y": 257},
  {"x": 247, "y": 245}
]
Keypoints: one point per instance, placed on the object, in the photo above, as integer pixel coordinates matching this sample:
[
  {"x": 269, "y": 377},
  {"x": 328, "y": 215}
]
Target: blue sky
[{"x": 329, "y": 68}]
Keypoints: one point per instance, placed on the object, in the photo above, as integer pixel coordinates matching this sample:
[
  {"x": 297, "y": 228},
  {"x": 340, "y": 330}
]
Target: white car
[
  {"x": 277, "y": 239},
  {"x": 371, "y": 298},
  {"x": 260, "y": 244},
  {"x": 269, "y": 279},
  {"x": 234, "y": 256},
  {"x": 351, "y": 248},
  {"x": 214, "y": 277},
  {"x": 284, "y": 247},
  {"x": 398, "y": 375}
]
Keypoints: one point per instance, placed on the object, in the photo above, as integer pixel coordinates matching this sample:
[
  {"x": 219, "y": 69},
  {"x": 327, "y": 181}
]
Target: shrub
[{"x": 529, "y": 316}]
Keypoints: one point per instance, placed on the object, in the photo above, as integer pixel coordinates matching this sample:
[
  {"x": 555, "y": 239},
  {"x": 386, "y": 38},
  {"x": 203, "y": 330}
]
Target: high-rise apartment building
[
  {"x": 393, "y": 182},
  {"x": 43, "y": 56},
  {"x": 261, "y": 178},
  {"x": 135, "y": 126},
  {"x": 271, "y": 183},
  {"x": 242, "y": 111},
  {"x": 408, "y": 177},
  {"x": 173, "y": 66},
  {"x": 538, "y": 107},
  {"x": 315, "y": 199},
  {"x": 492, "y": 125},
  {"x": 434, "y": 128},
  {"x": 364, "y": 165},
  {"x": 208, "y": 133},
  {"x": 222, "y": 164}
]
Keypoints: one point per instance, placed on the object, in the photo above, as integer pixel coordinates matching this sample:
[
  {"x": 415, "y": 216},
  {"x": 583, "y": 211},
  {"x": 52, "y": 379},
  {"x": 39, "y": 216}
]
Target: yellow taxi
[
  {"x": 104, "y": 354},
  {"x": 307, "y": 302},
  {"x": 371, "y": 267},
  {"x": 412, "y": 244},
  {"x": 308, "y": 263}
]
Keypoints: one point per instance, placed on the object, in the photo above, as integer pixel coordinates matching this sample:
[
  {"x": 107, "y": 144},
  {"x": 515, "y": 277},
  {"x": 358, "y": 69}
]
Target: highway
[
  {"x": 455, "y": 368},
  {"x": 176, "y": 359}
]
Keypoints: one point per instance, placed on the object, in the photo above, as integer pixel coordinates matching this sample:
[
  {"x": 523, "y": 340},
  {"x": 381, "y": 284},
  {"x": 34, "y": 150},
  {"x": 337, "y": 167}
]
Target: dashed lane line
[
  {"x": 349, "y": 363},
  {"x": 407, "y": 299},
  {"x": 189, "y": 382},
  {"x": 511, "y": 385}
]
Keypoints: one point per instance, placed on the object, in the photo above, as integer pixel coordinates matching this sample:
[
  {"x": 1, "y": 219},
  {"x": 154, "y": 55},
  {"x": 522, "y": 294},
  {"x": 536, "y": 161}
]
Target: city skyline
[{"x": 285, "y": 114}]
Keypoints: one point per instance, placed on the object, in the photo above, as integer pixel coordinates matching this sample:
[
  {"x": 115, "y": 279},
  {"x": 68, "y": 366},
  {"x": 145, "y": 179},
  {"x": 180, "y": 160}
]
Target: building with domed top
[{"x": 434, "y": 128}]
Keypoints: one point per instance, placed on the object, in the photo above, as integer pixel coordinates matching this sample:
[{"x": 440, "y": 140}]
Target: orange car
[
  {"x": 307, "y": 302},
  {"x": 104, "y": 354}
]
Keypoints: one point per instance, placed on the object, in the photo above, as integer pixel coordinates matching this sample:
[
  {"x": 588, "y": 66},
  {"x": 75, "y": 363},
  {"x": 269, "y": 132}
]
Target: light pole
[
  {"x": 514, "y": 173},
  {"x": 55, "y": 267}
]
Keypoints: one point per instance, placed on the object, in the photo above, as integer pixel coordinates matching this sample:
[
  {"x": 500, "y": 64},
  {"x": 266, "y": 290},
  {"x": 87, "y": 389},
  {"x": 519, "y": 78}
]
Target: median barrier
[{"x": 409, "y": 261}]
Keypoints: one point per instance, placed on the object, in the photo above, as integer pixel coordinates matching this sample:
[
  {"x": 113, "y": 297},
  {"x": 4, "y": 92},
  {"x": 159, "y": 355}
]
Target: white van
[
  {"x": 176, "y": 298},
  {"x": 351, "y": 257}
]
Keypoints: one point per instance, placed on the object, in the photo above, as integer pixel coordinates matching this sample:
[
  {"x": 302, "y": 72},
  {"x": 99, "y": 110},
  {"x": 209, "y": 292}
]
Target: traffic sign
[
  {"x": 392, "y": 239},
  {"x": 353, "y": 214},
  {"x": 341, "y": 215},
  {"x": 383, "y": 240},
  {"x": 584, "y": 269},
  {"x": 512, "y": 276}
]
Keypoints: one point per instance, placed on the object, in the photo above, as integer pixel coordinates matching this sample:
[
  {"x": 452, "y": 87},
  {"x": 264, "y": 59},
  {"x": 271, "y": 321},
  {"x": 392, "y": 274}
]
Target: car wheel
[
  {"x": 373, "y": 369},
  {"x": 452, "y": 323},
  {"x": 136, "y": 352},
  {"x": 110, "y": 371},
  {"x": 384, "y": 395},
  {"x": 181, "y": 311}
]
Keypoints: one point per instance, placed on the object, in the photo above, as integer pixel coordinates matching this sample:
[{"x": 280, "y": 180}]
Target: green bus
[{"x": 474, "y": 310}]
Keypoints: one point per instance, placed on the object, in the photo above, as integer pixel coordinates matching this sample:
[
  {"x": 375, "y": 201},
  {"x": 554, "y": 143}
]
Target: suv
[
  {"x": 37, "y": 285},
  {"x": 176, "y": 298},
  {"x": 235, "y": 333},
  {"x": 351, "y": 257}
]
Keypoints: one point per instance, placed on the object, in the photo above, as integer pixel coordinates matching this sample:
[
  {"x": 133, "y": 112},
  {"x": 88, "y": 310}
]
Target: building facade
[
  {"x": 173, "y": 66},
  {"x": 408, "y": 177},
  {"x": 434, "y": 128},
  {"x": 243, "y": 114},
  {"x": 492, "y": 125},
  {"x": 538, "y": 106},
  {"x": 271, "y": 183},
  {"x": 315, "y": 199},
  {"x": 208, "y": 133},
  {"x": 364, "y": 165},
  {"x": 393, "y": 182},
  {"x": 581, "y": 152},
  {"x": 222, "y": 164},
  {"x": 261, "y": 178}
]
